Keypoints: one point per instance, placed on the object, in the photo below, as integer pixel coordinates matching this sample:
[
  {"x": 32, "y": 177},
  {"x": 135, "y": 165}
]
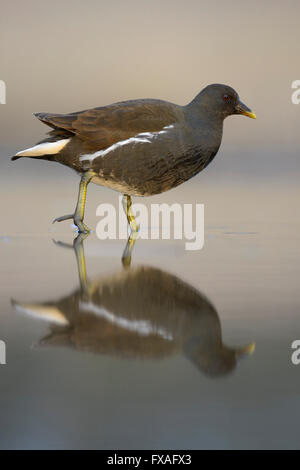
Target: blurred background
[{"x": 64, "y": 56}]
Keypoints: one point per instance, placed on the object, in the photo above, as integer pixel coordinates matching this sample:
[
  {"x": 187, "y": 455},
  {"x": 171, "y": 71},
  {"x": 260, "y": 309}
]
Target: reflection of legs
[
  {"x": 79, "y": 211},
  {"x": 127, "y": 203},
  {"x": 80, "y": 258},
  {"x": 126, "y": 257}
]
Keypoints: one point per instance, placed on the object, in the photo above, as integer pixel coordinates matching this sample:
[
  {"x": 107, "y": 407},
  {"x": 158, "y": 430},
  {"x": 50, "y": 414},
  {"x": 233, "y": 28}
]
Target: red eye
[{"x": 227, "y": 98}]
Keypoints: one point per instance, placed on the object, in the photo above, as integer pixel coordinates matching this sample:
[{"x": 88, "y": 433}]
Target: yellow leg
[
  {"x": 80, "y": 258},
  {"x": 78, "y": 215},
  {"x": 126, "y": 257},
  {"x": 127, "y": 203},
  {"x": 78, "y": 248}
]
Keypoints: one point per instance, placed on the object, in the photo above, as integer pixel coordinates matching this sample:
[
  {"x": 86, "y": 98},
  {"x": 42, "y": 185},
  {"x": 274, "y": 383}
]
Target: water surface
[{"x": 161, "y": 354}]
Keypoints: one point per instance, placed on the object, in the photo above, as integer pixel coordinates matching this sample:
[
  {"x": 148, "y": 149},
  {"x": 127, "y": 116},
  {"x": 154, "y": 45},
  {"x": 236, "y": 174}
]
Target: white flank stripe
[
  {"x": 142, "y": 327},
  {"x": 139, "y": 138},
  {"x": 48, "y": 148}
]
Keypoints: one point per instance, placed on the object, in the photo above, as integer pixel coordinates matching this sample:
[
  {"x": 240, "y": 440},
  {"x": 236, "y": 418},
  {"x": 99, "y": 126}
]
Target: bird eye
[{"x": 227, "y": 98}]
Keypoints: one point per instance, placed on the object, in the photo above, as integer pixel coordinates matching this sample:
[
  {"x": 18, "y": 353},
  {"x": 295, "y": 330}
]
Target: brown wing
[{"x": 107, "y": 125}]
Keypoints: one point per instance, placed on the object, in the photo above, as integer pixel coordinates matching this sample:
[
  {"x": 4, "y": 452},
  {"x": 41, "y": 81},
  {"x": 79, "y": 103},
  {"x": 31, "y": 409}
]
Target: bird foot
[{"x": 82, "y": 228}]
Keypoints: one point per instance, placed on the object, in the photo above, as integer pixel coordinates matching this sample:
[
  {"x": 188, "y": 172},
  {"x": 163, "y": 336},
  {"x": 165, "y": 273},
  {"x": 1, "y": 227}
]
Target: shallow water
[{"x": 159, "y": 355}]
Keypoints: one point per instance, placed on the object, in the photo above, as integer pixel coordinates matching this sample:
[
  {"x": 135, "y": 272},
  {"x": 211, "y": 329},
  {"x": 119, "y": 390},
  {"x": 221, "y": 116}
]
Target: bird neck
[
  {"x": 203, "y": 122},
  {"x": 200, "y": 109},
  {"x": 197, "y": 111}
]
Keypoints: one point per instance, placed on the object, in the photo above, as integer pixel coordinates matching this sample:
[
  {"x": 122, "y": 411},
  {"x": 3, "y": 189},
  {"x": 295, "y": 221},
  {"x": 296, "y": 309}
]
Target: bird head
[
  {"x": 220, "y": 101},
  {"x": 215, "y": 359}
]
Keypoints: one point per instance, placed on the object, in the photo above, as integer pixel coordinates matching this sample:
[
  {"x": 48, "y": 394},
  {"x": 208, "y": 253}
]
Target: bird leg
[
  {"x": 78, "y": 248},
  {"x": 126, "y": 257},
  {"x": 80, "y": 258},
  {"x": 79, "y": 211},
  {"x": 127, "y": 203}
]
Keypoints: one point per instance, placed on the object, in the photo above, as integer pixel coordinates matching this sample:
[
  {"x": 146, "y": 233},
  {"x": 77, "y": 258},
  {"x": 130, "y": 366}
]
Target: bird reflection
[{"x": 140, "y": 312}]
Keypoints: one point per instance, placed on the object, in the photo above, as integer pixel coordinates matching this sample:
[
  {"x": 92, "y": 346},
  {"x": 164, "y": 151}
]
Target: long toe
[{"x": 63, "y": 217}]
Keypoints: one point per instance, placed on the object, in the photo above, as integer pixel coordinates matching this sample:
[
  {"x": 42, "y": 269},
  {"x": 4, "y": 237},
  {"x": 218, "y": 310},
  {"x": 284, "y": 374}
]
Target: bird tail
[
  {"x": 45, "y": 149},
  {"x": 48, "y": 312}
]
